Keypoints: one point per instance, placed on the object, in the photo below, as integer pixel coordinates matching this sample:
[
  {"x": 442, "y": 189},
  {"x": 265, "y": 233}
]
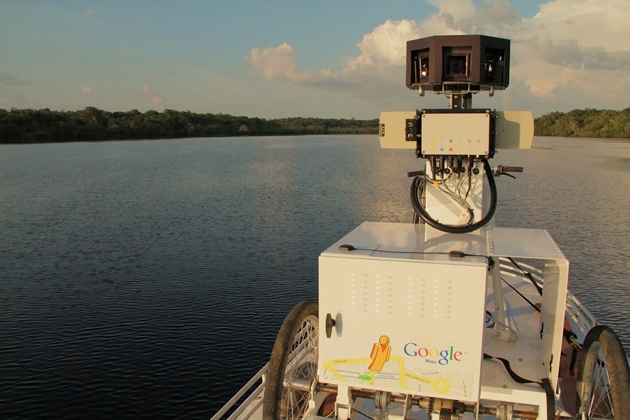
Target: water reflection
[{"x": 150, "y": 278}]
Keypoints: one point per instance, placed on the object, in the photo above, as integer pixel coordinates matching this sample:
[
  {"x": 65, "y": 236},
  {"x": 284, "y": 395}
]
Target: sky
[{"x": 290, "y": 58}]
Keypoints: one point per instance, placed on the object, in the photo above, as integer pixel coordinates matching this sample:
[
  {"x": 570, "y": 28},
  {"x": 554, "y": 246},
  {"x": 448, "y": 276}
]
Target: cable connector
[
  {"x": 456, "y": 254},
  {"x": 346, "y": 248},
  {"x": 503, "y": 170}
]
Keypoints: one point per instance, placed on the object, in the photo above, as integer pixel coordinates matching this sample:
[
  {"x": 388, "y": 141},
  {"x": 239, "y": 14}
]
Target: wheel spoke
[
  {"x": 600, "y": 406},
  {"x": 605, "y": 377},
  {"x": 301, "y": 369},
  {"x": 293, "y": 365}
]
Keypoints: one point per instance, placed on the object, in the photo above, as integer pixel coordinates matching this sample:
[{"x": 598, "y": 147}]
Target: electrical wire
[
  {"x": 452, "y": 254},
  {"x": 442, "y": 183},
  {"x": 420, "y": 188},
  {"x": 463, "y": 179},
  {"x": 469, "y": 227},
  {"x": 460, "y": 200}
]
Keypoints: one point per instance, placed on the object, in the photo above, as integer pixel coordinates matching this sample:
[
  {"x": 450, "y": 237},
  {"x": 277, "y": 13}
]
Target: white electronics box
[{"x": 408, "y": 317}]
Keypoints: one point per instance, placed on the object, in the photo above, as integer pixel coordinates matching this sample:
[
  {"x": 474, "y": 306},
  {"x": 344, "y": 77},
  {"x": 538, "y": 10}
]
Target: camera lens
[{"x": 456, "y": 66}]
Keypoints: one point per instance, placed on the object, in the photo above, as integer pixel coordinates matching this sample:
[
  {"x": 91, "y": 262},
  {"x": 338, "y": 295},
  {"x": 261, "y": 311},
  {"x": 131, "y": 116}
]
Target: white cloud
[
  {"x": 565, "y": 55},
  {"x": 154, "y": 97},
  {"x": 576, "y": 45},
  {"x": 376, "y": 69},
  {"x": 279, "y": 62},
  {"x": 386, "y": 44},
  {"x": 500, "y": 12}
]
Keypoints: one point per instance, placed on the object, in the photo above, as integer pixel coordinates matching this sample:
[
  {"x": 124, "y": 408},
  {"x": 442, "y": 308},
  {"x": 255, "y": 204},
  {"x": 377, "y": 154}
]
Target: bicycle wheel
[
  {"x": 603, "y": 387},
  {"x": 293, "y": 361}
]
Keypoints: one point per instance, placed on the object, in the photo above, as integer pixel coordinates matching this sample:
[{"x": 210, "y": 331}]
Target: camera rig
[
  {"x": 412, "y": 318},
  {"x": 458, "y": 63},
  {"x": 456, "y": 142}
]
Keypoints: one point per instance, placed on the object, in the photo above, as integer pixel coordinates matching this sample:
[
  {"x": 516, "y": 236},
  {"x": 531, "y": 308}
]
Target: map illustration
[{"x": 383, "y": 369}]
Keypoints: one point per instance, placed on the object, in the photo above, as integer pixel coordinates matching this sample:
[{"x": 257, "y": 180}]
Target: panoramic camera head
[
  {"x": 457, "y": 66},
  {"x": 458, "y": 63},
  {"x": 450, "y": 194}
]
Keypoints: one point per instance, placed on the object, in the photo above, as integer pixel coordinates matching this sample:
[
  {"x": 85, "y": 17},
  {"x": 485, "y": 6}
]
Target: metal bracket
[
  {"x": 505, "y": 411},
  {"x": 343, "y": 405}
]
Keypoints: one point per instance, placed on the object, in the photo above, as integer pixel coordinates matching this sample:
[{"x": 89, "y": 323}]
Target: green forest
[
  {"x": 92, "y": 124},
  {"x": 585, "y": 123}
]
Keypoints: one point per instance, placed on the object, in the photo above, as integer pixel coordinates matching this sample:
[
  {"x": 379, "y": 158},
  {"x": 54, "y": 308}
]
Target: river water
[{"x": 149, "y": 278}]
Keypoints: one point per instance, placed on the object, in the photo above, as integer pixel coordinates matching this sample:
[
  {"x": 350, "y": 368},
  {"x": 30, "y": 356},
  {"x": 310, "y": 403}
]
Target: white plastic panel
[
  {"x": 407, "y": 241},
  {"x": 392, "y": 129},
  {"x": 403, "y": 324},
  {"x": 514, "y": 130},
  {"x": 456, "y": 134},
  {"x": 537, "y": 244},
  {"x": 524, "y": 243}
]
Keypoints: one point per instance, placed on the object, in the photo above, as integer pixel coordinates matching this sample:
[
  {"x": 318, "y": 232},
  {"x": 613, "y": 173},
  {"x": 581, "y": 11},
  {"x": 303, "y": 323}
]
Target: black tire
[
  {"x": 294, "y": 358},
  {"x": 603, "y": 388}
]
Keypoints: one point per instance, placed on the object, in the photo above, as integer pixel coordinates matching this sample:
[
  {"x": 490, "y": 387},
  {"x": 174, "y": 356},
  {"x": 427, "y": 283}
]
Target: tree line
[
  {"x": 92, "y": 124},
  {"x": 585, "y": 123}
]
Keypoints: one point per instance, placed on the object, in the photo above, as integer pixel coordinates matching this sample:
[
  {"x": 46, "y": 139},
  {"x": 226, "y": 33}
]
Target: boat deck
[{"x": 516, "y": 338}]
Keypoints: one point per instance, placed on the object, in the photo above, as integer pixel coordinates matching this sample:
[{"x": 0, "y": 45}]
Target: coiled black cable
[{"x": 421, "y": 211}]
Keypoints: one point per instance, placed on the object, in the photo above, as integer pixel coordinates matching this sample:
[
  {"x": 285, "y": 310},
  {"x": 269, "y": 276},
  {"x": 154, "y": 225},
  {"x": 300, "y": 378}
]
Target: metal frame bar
[{"x": 249, "y": 385}]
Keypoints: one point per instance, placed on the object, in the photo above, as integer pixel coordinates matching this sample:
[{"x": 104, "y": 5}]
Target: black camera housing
[{"x": 458, "y": 63}]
